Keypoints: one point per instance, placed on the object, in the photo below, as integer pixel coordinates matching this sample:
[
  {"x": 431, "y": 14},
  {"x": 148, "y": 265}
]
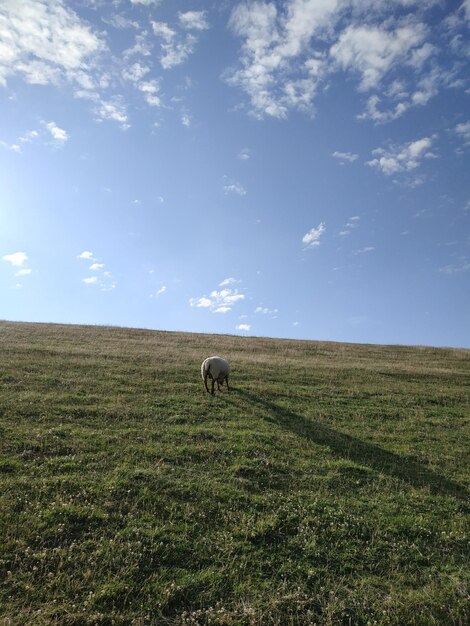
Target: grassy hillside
[{"x": 329, "y": 487}]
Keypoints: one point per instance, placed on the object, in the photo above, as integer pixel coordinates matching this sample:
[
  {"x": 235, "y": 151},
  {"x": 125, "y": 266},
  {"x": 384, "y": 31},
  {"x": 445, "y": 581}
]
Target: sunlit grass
[{"x": 329, "y": 487}]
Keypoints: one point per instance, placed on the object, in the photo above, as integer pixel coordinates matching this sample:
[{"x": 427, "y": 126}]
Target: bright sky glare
[{"x": 288, "y": 169}]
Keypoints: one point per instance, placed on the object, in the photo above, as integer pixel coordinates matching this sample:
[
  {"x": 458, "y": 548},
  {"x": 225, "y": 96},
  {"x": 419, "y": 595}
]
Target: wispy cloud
[
  {"x": 244, "y": 154},
  {"x": 402, "y": 158},
  {"x": 120, "y": 21},
  {"x": 114, "y": 109},
  {"x": 372, "y": 50},
  {"x": 47, "y": 43},
  {"x": 42, "y": 135},
  {"x": 364, "y": 250},
  {"x": 91, "y": 280},
  {"x": 312, "y": 238},
  {"x": 463, "y": 131},
  {"x": 234, "y": 187},
  {"x": 289, "y": 49},
  {"x": 218, "y": 301},
  {"x": 159, "y": 292},
  {"x": 344, "y": 157},
  {"x": 398, "y": 99},
  {"x": 186, "y": 120},
  {"x": 229, "y": 281},
  {"x": 350, "y": 225},
  {"x": 176, "y": 43},
  {"x": 146, "y": 3},
  {"x": 456, "y": 268},
  {"x": 266, "y": 311},
  {"x": 193, "y": 20}
]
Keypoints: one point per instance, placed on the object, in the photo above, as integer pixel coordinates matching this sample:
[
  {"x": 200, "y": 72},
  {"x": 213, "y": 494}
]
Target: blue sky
[{"x": 296, "y": 168}]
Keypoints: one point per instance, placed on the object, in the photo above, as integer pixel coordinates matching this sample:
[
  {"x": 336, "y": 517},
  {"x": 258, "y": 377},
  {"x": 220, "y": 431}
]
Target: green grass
[{"x": 329, "y": 487}]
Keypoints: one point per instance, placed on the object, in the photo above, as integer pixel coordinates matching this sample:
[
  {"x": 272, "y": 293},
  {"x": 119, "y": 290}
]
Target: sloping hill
[{"x": 329, "y": 487}]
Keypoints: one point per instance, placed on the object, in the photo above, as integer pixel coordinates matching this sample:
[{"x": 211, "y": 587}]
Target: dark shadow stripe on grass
[{"x": 354, "y": 449}]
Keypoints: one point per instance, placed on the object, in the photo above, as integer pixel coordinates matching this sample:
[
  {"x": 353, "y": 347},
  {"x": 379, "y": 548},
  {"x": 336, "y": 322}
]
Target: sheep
[{"x": 217, "y": 369}]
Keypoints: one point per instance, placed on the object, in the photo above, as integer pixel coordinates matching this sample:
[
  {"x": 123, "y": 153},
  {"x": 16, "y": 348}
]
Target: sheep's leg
[
  {"x": 213, "y": 383},
  {"x": 205, "y": 383},
  {"x": 226, "y": 382}
]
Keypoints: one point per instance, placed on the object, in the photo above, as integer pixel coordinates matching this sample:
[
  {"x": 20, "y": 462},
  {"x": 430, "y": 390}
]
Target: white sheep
[{"x": 217, "y": 369}]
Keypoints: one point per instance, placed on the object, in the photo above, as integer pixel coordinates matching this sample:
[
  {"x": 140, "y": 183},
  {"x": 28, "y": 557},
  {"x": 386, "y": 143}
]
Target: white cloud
[
  {"x": 203, "y": 302},
  {"x": 150, "y": 88},
  {"x": 266, "y": 310},
  {"x": 218, "y": 301},
  {"x": 312, "y": 238},
  {"x": 426, "y": 88},
  {"x": 227, "y": 296},
  {"x": 120, "y": 21},
  {"x": 17, "y": 259},
  {"x": 345, "y": 156},
  {"x": 193, "y": 20},
  {"x": 244, "y": 154},
  {"x": 24, "y": 272},
  {"x": 288, "y": 49},
  {"x": 58, "y": 134},
  {"x": 273, "y": 78},
  {"x": 26, "y": 138},
  {"x": 113, "y": 109},
  {"x": 135, "y": 72},
  {"x": 141, "y": 47},
  {"x": 45, "y": 42},
  {"x": 186, "y": 120},
  {"x": 456, "y": 268},
  {"x": 466, "y": 8},
  {"x": 244, "y": 327},
  {"x": 373, "y": 50},
  {"x": 159, "y": 292},
  {"x": 229, "y": 281},
  {"x": 86, "y": 254},
  {"x": 176, "y": 46},
  {"x": 403, "y": 158},
  {"x": 103, "y": 279},
  {"x": 14, "y": 147},
  {"x": 364, "y": 250},
  {"x": 373, "y": 113},
  {"x": 463, "y": 129},
  {"x": 234, "y": 188},
  {"x": 350, "y": 225},
  {"x": 146, "y": 3}
]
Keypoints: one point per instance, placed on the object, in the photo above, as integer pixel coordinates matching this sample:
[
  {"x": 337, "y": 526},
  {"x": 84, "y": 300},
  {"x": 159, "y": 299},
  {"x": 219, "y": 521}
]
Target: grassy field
[{"x": 330, "y": 486}]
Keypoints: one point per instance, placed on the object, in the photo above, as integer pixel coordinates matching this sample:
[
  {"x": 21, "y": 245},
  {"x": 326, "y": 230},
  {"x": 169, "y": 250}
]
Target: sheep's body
[{"x": 217, "y": 369}]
